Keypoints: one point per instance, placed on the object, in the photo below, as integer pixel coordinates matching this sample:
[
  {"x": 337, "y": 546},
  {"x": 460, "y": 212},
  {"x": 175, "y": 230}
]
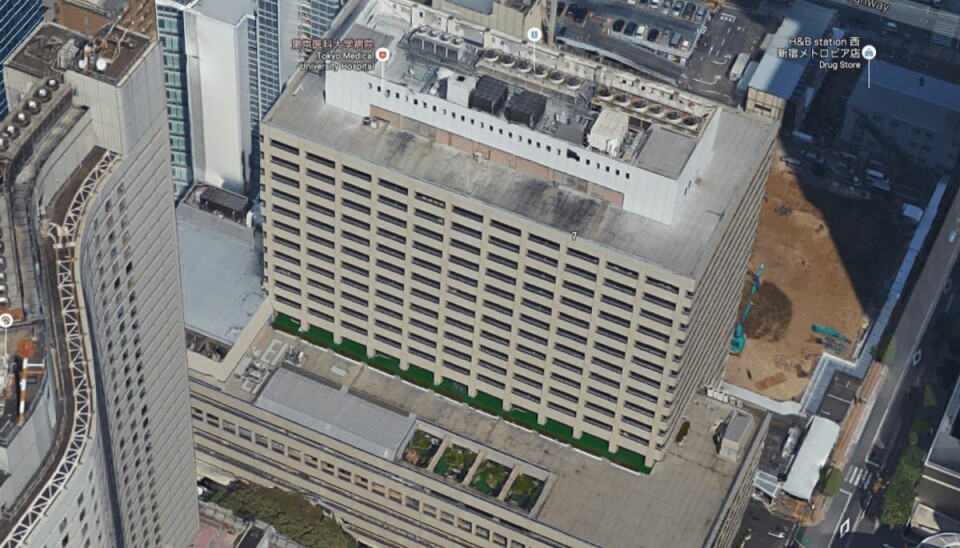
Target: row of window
[{"x": 347, "y": 476}]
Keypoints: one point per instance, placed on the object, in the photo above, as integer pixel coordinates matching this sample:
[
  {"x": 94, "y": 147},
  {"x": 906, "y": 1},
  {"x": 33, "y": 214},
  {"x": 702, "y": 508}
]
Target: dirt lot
[{"x": 828, "y": 260}]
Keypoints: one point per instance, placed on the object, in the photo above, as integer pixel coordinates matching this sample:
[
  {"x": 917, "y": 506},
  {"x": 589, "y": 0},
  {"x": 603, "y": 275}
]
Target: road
[
  {"x": 845, "y": 518},
  {"x": 906, "y": 14}
]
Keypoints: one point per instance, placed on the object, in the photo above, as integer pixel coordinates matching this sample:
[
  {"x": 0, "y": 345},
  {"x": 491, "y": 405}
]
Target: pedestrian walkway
[
  {"x": 858, "y": 477},
  {"x": 944, "y": 29},
  {"x": 952, "y": 6}
]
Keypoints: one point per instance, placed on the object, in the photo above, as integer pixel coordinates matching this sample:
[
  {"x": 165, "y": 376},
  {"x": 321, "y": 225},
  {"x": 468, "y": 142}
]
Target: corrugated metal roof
[
  {"x": 812, "y": 456},
  {"x": 337, "y": 414},
  {"x": 778, "y": 76}
]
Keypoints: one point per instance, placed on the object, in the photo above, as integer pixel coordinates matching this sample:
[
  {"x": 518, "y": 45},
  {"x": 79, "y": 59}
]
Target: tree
[
  {"x": 929, "y": 398},
  {"x": 290, "y": 514},
  {"x": 832, "y": 481},
  {"x": 900, "y": 492},
  {"x": 421, "y": 443},
  {"x": 454, "y": 458},
  {"x": 496, "y": 474},
  {"x": 523, "y": 485},
  {"x": 917, "y": 431}
]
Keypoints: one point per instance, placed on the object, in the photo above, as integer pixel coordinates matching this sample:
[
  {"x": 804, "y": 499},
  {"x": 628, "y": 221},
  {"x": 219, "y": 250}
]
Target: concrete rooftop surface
[
  {"x": 592, "y": 499},
  {"x": 682, "y": 247},
  {"x": 220, "y": 271}
]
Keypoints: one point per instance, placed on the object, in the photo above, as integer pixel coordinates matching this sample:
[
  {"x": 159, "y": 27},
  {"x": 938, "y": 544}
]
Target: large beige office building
[{"x": 564, "y": 237}]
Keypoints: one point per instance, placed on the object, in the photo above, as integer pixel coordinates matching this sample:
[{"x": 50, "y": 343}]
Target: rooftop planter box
[
  {"x": 525, "y": 491},
  {"x": 490, "y": 478},
  {"x": 455, "y": 463},
  {"x": 422, "y": 448}
]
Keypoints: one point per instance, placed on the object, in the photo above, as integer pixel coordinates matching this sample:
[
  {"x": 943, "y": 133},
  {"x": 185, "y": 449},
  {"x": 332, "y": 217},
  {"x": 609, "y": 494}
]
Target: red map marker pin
[{"x": 383, "y": 54}]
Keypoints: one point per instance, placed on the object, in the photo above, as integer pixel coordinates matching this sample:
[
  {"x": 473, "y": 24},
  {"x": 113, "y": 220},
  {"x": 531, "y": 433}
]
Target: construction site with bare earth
[{"x": 819, "y": 271}]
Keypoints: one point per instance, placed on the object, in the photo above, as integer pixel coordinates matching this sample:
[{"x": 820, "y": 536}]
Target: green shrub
[
  {"x": 290, "y": 514},
  {"x": 900, "y": 492},
  {"x": 832, "y": 481}
]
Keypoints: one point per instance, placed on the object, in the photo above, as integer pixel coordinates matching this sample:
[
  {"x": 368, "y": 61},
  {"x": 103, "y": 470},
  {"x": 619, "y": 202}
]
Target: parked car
[
  {"x": 677, "y": 8},
  {"x": 641, "y": 31},
  {"x": 701, "y": 13},
  {"x": 630, "y": 29},
  {"x": 689, "y": 10},
  {"x": 618, "y": 25},
  {"x": 652, "y": 36},
  {"x": 667, "y": 4},
  {"x": 812, "y": 155}
]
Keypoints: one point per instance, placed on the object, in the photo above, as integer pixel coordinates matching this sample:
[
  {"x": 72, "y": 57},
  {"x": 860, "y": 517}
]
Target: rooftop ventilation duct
[{"x": 21, "y": 119}]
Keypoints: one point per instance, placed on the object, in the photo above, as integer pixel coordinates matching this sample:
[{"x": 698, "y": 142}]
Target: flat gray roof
[
  {"x": 666, "y": 151},
  {"x": 682, "y": 248},
  {"x": 226, "y": 11},
  {"x": 778, "y": 76},
  {"x": 220, "y": 272},
  {"x": 945, "y": 449},
  {"x": 337, "y": 414},
  {"x": 738, "y": 427},
  {"x": 903, "y": 94}
]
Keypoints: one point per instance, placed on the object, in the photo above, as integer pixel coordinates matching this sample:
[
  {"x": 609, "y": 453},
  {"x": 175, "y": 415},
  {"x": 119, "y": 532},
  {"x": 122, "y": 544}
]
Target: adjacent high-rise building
[
  {"x": 226, "y": 63},
  {"x": 559, "y": 237},
  {"x": 18, "y": 18},
  {"x": 206, "y": 72},
  {"x": 101, "y": 447}
]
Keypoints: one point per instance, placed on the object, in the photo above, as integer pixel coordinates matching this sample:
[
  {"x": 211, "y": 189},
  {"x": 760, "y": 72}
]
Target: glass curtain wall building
[
  {"x": 18, "y": 18},
  {"x": 170, "y": 30}
]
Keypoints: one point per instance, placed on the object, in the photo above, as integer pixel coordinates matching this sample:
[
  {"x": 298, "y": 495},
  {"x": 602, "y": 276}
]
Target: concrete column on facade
[
  {"x": 514, "y": 474},
  {"x": 481, "y": 456}
]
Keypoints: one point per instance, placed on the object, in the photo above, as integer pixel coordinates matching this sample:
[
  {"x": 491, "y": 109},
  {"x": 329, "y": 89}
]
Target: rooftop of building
[
  {"x": 911, "y": 96},
  {"x": 35, "y": 377},
  {"x": 215, "y": 534},
  {"x": 742, "y": 140},
  {"x": 428, "y": 60},
  {"x": 780, "y": 76},
  {"x": 813, "y": 454},
  {"x": 324, "y": 408},
  {"x": 220, "y": 271},
  {"x": 585, "y": 496},
  {"x": 107, "y": 56},
  {"x": 485, "y": 7},
  {"x": 225, "y": 11},
  {"x": 945, "y": 449}
]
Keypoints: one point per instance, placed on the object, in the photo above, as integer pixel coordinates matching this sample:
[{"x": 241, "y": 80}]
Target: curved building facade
[{"x": 95, "y": 260}]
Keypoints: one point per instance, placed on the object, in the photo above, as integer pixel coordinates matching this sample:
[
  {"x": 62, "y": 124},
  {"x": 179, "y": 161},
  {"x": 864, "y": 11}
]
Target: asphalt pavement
[
  {"x": 844, "y": 525},
  {"x": 904, "y": 14}
]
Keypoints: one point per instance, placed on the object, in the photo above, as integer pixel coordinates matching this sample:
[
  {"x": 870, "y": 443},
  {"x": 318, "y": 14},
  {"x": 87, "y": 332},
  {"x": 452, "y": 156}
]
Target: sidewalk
[{"x": 856, "y": 420}]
